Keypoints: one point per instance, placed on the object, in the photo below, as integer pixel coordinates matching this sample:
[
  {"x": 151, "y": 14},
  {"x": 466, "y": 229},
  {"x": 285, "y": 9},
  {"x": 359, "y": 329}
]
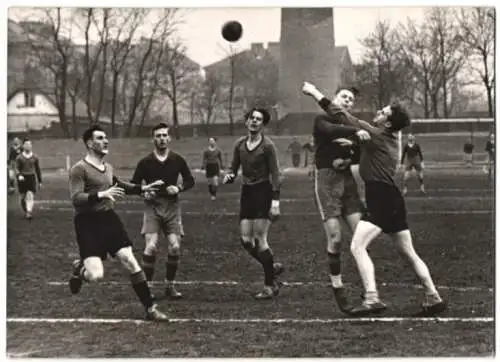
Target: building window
[{"x": 29, "y": 99}]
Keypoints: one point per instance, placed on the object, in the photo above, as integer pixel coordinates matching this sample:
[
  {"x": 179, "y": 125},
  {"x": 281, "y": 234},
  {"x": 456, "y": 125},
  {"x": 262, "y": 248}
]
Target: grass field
[
  {"x": 125, "y": 153},
  {"x": 453, "y": 228}
]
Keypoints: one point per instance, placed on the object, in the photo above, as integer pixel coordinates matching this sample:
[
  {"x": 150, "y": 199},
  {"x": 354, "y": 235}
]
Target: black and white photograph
[{"x": 250, "y": 182}]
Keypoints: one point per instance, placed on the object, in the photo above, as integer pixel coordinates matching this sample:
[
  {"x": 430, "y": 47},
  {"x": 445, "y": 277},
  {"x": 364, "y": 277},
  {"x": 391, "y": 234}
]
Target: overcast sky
[{"x": 201, "y": 27}]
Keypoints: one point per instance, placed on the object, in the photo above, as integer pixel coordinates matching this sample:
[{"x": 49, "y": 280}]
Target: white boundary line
[
  {"x": 253, "y": 320},
  {"x": 313, "y": 212},
  {"x": 289, "y": 284}
]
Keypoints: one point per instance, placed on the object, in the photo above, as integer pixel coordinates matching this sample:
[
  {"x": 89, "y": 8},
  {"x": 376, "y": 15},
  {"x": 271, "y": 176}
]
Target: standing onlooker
[
  {"x": 296, "y": 149},
  {"x": 468, "y": 148}
]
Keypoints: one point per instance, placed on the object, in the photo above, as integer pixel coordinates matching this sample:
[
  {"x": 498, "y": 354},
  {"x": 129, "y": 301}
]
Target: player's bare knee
[
  {"x": 128, "y": 260},
  {"x": 94, "y": 273},
  {"x": 151, "y": 241},
  {"x": 174, "y": 245}
]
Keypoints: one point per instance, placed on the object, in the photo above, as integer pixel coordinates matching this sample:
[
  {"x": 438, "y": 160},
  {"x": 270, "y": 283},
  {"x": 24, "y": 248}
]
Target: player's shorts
[
  {"x": 468, "y": 157},
  {"x": 336, "y": 193},
  {"x": 100, "y": 233},
  {"x": 385, "y": 207},
  {"x": 212, "y": 170},
  {"x": 164, "y": 217},
  {"x": 28, "y": 184},
  {"x": 255, "y": 201},
  {"x": 413, "y": 164}
]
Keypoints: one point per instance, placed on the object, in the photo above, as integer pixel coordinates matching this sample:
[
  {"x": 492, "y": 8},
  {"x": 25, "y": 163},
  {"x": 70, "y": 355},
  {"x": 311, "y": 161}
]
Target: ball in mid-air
[{"x": 232, "y": 31}]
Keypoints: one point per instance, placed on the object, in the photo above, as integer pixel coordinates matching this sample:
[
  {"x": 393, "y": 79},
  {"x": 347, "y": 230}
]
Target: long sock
[
  {"x": 252, "y": 249},
  {"x": 267, "y": 261},
  {"x": 141, "y": 288},
  {"x": 214, "y": 188},
  {"x": 334, "y": 268},
  {"x": 148, "y": 266},
  {"x": 23, "y": 204},
  {"x": 171, "y": 266},
  {"x": 211, "y": 190}
]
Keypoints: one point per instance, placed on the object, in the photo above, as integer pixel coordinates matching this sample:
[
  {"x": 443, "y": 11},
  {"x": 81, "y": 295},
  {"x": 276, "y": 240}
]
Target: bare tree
[
  {"x": 450, "y": 50},
  {"x": 209, "y": 99},
  {"x": 52, "y": 51},
  {"x": 141, "y": 73},
  {"x": 128, "y": 21},
  {"x": 182, "y": 76},
  {"x": 477, "y": 31}
]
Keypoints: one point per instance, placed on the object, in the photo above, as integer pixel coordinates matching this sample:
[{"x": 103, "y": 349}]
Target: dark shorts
[
  {"x": 100, "y": 233},
  {"x": 336, "y": 193},
  {"x": 255, "y": 201},
  {"x": 28, "y": 184},
  {"x": 413, "y": 164},
  {"x": 385, "y": 207},
  {"x": 212, "y": 170}
]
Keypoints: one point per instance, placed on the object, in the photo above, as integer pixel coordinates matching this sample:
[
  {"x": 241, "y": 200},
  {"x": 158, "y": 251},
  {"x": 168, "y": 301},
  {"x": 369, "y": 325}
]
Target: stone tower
[{"x": 307, "y": 46}]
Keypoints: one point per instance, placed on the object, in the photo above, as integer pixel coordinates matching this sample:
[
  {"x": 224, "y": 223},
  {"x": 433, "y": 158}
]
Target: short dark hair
[
  {"x": 263, "y": 111},
  {"x": 354, "y": 90},
  {"x": 159, "y": 126},
  {"x": 400, "y": 118},
  {"x": 26, "y": 139},
  {"x": 89, "y": 132}
]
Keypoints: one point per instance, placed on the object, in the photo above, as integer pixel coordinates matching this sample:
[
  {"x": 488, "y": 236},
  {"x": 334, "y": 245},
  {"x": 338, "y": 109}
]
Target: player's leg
[
  {"x": 433, "y": 303},
  {"x": 328, "y": 191},
  {"x": 247, "y": 215},
  {"x": 406, "y": 176},
  {"x": 139, "y": 282},
  {"x": 171, "y": 228},
  {"x": 215, "y": 184},
  {"x": 151, "y": 228},
  {"x": 420, "y": 173},
  {"x": 12, "y": 180},
  {"x": 364, "y": 234},
  {"x": 266, "y": 258}
]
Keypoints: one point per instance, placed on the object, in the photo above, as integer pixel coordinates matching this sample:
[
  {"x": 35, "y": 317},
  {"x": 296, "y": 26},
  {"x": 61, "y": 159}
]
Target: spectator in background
[
  {"x": 296, "y": 149},
  {"x": 490, "y": 149},
  {"x": 468, "y": 148}
]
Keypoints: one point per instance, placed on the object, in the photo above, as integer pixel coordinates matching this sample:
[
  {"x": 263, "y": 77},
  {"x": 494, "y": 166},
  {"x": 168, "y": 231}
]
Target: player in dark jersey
[
  {"x": 415, "y": 160},
  {"x": 212, "y": 164},
  {"x": 162, "y": 209},
  {"x": 259, "y": 202},
  {"x": 490, "y": 149},
  {"x": 14, "y": 151},
  {"x": 386, "y": 210},
  {"x": 29, "y": 177},
  {"x": 336, "y": 191},
  {"x": 99, "y": 230},
  {"x": 468, "y": 150}
]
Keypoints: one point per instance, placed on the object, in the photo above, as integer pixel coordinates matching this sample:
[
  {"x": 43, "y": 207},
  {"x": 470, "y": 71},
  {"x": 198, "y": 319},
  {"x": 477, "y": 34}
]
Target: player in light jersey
[
  {"x": 212, "y": 164},
  {"x": 415, "y": 160},
  {"x": 259, "y": 202},
  {"x": 29, "y": 177},
  {"x": 14, "y": 151},
  {"x": 386, "y": 210},
  {"x": 99, "y": 230},
  {"x": 162, "y": 209}
]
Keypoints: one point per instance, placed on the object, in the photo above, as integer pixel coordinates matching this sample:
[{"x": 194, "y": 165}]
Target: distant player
[
  {"x": 259, "y": 202},
  {"x": 212, "y": 164},
  {"x": 14, "y": 151},
  {"x": 386, "y": 210},
  {"x": 295, "y": 148},
  {"x": 309, "y": 149},
  {"x": 415, "y": 160},
  {"x": 162, "y": 209},
  {"x": 29, "y": 177},
  {"x": 490, "y": 150},
  {"x": 99, "y": 230},
  {"x": 336, "y": 191},
  {"x": 468, "y": 149}
]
